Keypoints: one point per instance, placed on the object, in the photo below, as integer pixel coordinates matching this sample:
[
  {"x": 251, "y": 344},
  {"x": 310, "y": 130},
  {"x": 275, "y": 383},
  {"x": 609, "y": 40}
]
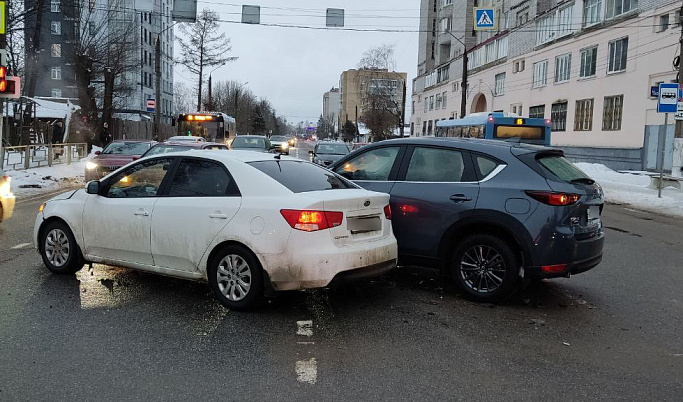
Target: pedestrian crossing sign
[{"x": 484, "y": 19}]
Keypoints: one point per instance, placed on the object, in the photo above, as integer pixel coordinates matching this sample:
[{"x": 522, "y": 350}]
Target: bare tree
[
  {"x": 379, "y": 57},
  {"x": 204, "y": 47},
  {"x": 182, "y": 98}
]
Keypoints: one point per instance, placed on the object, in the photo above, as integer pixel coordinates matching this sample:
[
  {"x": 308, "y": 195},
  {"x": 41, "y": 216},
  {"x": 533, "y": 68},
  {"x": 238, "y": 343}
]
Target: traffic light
[{"x": 9, "y": 86}]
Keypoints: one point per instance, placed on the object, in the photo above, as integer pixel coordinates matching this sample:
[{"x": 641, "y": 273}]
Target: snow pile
[
  {"x": 632, "y": 189},
  {"x": 43, "y": 179}
]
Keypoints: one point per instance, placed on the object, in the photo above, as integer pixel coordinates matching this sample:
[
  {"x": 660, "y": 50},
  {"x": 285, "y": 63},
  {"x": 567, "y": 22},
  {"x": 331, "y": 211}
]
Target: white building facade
[
  {"x": 331, "y": 106},
  {"x": 586, "y": 65}
]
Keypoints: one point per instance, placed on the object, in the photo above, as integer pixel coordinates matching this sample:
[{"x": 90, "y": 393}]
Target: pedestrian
[
  {"x": 105, "y": 135},
  {"x": 57, "y": 133}
]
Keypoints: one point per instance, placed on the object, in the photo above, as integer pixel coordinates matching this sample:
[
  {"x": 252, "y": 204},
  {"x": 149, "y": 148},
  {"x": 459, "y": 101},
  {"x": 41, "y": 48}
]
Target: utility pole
[
  {"x": 463, "y": 84},
  {"x": 210, "y": 99},
  {"x": 157, "y": 88},
  {"x": 677, "y": 165},
  {"x": 32, "y": 71}
]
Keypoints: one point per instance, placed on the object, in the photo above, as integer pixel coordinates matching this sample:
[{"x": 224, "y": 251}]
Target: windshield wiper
[{"x": 583, "y": 180}]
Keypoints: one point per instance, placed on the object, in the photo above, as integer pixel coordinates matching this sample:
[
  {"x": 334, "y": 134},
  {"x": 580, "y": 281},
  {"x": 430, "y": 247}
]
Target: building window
[
  {"x": 540, "y": 74},
  {"x": 54, "y": 6},
  {"x": 56, "y": 50},
  {"x": 518, "y": 66},
  {"x": 583, "y": 115},
  {"x": 516, "y": 109},
  {"x": 563, "y": 66},
  {"x": 56, "y": 93},
  {"x": 56, "y": 28},
  {"x": 617, "y": 55},
  {"x": 588, "y": 59},
  {"x": 537, "y": 112},
  {"x": 677, "y": 18},
  {"x": 431, "y": 102},
  {"x": 444, "y": 97},
  {"x": 614, "y": 8},
  {"x": 447, "y": 2},
  {"x": 426, "y": 104},
  {"x": 456, "y": 86},
  {"x": 611, "y": 113},
  {"x": 438, "y": 101},
  {"x": 500, "y": 84},
  {"x": 490, "y": 52},
  {"x": 522, "y": 16},
  {"x": 592, "y": 12},
  {"x": 424, "y": 128},
  {"x": 558, "y": 116},
  {"x": 545, "y": 29},
  {"x": 429, "y": 127},
  {"x": 502, "y": 47},
  {"x": 56, "y": 73},
  {"x": 663, "y": 23}
]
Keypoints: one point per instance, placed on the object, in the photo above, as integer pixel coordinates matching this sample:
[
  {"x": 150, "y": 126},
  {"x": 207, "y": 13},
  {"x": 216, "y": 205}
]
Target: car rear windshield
[
  {"x": 248, "y": 143},
  {"x": 278, "y": 138},
  {"x": 561, "y": 167},
  {"x": 332, "y": 149},
  {"x": 300, "y": 177},
  {"x": 126, "y": 148},
  {"x": 162, "y": 149}
]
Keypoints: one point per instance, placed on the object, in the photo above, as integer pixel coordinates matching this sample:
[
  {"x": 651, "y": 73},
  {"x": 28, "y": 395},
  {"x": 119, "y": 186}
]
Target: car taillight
[
  {"x": 7, "y": 178},
  {"x": 551, "y": 198},
  {"x": 387, "y": 212},
  {"x": 310, "y": 221}
]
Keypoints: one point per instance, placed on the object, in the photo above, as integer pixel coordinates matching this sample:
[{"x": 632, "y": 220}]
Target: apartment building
[
  {"x": 331, "y": 106},
  {"x": 587, "y": 65}
]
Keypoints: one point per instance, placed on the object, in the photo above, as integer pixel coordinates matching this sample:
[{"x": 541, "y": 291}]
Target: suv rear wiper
[{"x": 583, "y": 180}]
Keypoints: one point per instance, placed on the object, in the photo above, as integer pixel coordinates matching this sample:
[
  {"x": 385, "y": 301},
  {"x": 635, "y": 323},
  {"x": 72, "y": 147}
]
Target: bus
[
  {"x": 497, "y": 125},
  {"x": 212, "y": 126}
]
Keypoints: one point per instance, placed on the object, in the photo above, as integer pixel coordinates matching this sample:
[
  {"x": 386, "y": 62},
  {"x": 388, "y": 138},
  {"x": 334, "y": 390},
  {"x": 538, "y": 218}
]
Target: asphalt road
[{"x": 108, "y": 333}]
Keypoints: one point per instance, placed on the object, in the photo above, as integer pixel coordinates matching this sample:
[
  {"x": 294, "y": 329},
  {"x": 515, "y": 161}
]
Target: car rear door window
[
  {"x": 374, "y": 164},
  {"x": 300, "y": 177},
  {"x": 141, "y": 180},
  {"x": 201, "y": 178},
  {"x": 436, "y": 165}
]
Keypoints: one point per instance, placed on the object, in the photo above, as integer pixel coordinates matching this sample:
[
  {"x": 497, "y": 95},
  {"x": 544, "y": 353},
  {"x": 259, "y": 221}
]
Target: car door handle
[
  {"x": 141, "y": 212},
  {"x": 460, "y": 198},
  {"x": 218, "y": 215}
]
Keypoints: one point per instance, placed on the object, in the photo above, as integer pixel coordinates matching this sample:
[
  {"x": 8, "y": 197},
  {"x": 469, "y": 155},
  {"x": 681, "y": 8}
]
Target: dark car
[
  {"x": 166, "y": 147},
  {"x": 325, "y": 153},
  {"x": 116, "y": 154},
  {"x": 251, "y": 143},
  {"x": 485, "y": 212}
]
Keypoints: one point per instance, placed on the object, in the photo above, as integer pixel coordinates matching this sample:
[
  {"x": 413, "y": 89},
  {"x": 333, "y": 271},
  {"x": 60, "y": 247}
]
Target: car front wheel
[
  {"x": 236, "y": 278},
  {"x": 59, "y": 250},
  {"x": 485, "y": 268}
]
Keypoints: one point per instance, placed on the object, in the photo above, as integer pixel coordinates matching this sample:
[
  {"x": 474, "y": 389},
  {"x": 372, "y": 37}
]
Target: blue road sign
[
  {"x": 668, "y": 98},
  {"x": 654, "y": 91},
  {"x": 484, "y": 18}
]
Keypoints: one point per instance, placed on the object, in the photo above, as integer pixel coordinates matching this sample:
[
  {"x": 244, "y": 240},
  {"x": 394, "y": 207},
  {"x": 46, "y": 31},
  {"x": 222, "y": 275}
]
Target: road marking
[
  {"x": 307, "y": 371},
  {"x": 305, "y": 328},
  {"x": 22, "y": 245}
]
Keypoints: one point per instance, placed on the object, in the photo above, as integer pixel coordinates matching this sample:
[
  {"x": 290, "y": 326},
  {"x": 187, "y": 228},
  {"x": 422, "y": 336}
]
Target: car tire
[
  {"x": 59, "y": 250},
  {"x": 485, "y": 268},
  {"x": 226, "y": 273}
]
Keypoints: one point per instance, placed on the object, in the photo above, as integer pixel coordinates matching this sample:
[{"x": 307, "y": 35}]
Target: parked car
[
  {"x": 179, "y": 146},
  {"x": 7, "y": 199},
  {"x": 280, "y": 144},
  {"x": 326, "y": 152},
  {"x": 251, "y": 143},
  {"x": 485, "y": 212},
  {"x": 258, "y": 224},
  {"x": 115, "y": 155}
]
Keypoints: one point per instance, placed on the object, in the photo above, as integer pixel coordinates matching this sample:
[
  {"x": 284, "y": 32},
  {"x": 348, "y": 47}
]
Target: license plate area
[
  {"x": 593, "y": 213},
  {"x": 364, "y": 224}
]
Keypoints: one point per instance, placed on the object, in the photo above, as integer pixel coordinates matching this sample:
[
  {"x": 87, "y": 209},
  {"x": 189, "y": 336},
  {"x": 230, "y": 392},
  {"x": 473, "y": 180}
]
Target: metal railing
[{"x": 39, "y": 155}]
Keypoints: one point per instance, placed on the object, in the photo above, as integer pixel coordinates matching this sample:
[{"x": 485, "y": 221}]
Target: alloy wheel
[
  {"x": 57, "y": 247},
  {"x": 234, "y": 277},
  {"x": 482, "y": 268}
]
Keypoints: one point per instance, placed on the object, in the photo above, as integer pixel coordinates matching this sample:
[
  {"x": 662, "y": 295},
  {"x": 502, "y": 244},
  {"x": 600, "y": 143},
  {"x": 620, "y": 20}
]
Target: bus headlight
[{"x": 91, "y": 166}]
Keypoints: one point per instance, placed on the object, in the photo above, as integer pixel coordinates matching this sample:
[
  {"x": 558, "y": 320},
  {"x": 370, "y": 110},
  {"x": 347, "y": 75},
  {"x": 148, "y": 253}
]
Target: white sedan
[{"x": 248, "y": 223}]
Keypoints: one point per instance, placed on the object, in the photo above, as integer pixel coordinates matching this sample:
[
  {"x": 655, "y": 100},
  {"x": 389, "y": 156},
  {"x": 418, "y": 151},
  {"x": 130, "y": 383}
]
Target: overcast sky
[{"x": 292, "y": 67}]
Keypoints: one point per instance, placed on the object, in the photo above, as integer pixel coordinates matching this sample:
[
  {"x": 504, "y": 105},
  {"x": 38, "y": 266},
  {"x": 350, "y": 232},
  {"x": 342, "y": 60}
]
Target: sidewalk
[{"x": 632, "y": 189}]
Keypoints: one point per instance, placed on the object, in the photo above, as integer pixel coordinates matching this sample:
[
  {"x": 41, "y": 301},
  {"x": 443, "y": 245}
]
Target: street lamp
[
  {"x": 210, "y": 99},
  {"x": 463, "y": 100}
]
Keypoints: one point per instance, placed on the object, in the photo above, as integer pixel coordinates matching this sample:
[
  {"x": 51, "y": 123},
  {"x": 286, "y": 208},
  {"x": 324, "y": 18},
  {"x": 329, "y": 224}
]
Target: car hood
[
  {"x": 114, "y": 160},
  {"x": 63, "y": 196}
]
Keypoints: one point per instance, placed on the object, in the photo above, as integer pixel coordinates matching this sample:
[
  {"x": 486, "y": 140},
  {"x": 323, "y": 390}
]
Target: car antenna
[{"x": 277, "y": 156}]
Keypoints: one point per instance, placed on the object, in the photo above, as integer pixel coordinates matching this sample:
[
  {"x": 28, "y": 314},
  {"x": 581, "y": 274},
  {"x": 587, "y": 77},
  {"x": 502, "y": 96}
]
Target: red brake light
[
  {"x": 387, "y": 212},
  {"x": 557, "y": 199},
  {"x": 310, "y": 221},
  {"x": 490, "y": 119}
]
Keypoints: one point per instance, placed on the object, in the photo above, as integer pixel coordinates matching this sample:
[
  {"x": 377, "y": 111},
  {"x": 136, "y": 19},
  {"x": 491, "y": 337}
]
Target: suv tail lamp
[
  {"x": 551, "y": 198},
  {"x": 310, "y": 221}
]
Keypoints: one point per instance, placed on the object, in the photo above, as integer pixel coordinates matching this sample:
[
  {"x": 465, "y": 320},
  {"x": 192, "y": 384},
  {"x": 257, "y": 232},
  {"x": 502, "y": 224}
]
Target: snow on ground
[
  {"x": 35, "y": 181},
  {"x": 632, "y": 189}
]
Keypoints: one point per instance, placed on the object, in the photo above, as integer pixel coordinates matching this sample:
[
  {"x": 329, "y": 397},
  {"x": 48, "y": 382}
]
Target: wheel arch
[
  {"x": 47, "y": 221},
  {"x": 269, "y": 290}
]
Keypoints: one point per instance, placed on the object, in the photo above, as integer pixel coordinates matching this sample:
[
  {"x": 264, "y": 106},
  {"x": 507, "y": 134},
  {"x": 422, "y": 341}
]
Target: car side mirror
[
  {"x": 98, "y": 152},
  {"x": 92, "y": 187},
  {"x": 311, "y": 153}
]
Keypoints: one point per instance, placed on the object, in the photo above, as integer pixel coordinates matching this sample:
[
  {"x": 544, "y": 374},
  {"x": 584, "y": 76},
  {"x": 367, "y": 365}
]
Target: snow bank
[{"x": 631, "y": 189}]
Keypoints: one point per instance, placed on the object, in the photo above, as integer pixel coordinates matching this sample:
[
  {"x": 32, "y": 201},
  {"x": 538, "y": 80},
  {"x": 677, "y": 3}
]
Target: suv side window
[
  {"x": 485, "y": 165},
  {"x": 201, "y": 178},
  {"x": 436, "y": 165},
  {"x": 374, "y": 164},
  {"x": 141, "y": 180}
]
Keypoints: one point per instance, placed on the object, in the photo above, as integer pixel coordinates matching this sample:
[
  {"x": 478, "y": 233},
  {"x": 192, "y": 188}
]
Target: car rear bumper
[
  {"x": 7, "y": 202},
  {"x": 578, "y": 255},
  {"x": 318, "y": 265}
]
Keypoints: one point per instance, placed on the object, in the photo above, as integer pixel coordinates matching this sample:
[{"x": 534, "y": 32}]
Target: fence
[
  {"x": 38, "y": 155},
  {"x": 139, "y": 130}
]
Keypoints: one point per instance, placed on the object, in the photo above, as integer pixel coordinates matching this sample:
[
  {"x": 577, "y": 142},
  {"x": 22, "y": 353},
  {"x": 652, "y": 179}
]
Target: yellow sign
[
  {"x": 519, "y": 121},
  {"x": 3, "y": 21}
]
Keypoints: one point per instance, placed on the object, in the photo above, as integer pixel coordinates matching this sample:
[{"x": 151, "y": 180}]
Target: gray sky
[{"x": 292, "y": 67}]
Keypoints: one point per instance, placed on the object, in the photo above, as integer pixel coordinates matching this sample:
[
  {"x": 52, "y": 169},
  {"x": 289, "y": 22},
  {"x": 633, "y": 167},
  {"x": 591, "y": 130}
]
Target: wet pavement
[{"x": 110, "y": 333}]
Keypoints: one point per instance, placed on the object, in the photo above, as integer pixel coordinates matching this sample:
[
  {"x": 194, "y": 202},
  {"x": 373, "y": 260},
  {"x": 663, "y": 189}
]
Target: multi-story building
[
  {"x": 331, "y": 106},
  {"x": 357, "y": 86},
  {"x": 68, "y": 26},
  {"x": 587, "y": 65}
]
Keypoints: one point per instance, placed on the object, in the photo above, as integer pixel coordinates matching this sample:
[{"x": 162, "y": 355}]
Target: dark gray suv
[{"x": 488, "y": 213}]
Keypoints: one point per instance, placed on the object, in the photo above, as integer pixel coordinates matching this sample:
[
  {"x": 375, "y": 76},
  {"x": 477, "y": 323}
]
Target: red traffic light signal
[
  {"x": 9, "y": 86},
  {"x": 3, "y": 72}
]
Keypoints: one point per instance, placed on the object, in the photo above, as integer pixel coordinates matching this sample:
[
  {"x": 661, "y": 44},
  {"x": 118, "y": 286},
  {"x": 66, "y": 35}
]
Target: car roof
[
  {"x": 239, "y": 155},
  {"x": 181, "y": 143},
  {"x": 250, "y": 136},
  {"x": 471, "y": 144},
  {"x": 145, "y": 141}
]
